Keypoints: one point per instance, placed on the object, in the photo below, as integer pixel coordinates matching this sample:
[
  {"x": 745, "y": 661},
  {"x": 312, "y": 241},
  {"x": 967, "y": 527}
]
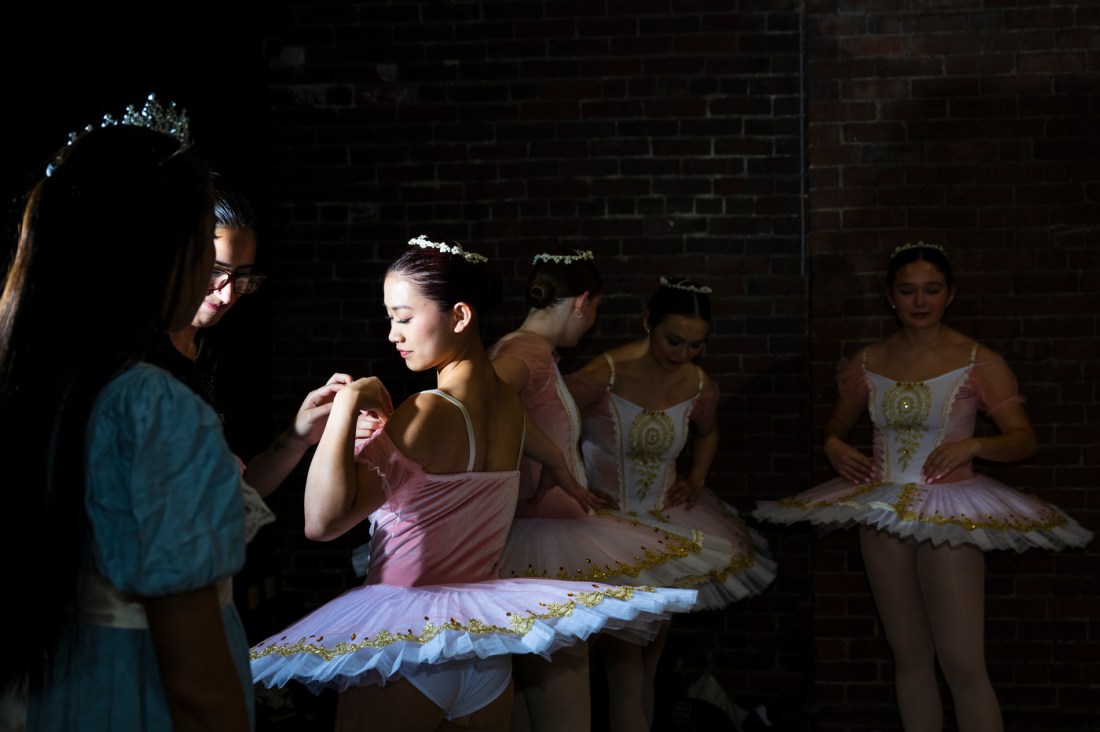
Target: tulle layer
[
  {"x": 373, "y": 633},
  {"x": 741, "y": 564},
  {"x": 978, "y": 510},
  {"x": 610, "y": 548}
]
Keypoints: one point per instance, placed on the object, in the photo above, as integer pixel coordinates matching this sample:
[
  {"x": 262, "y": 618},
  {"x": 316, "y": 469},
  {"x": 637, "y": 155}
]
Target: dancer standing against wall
[
  {"x": 642, "y": 405},
  {"x": 552, "y": 534},
  {"x": 425, "y": 644},
  {"x": 925, "y": 518},
  {"x": 128, "y": 522}
]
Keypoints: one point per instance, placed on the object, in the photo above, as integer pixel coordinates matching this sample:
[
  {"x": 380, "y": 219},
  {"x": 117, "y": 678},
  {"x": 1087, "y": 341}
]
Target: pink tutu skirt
[
  {"x": 976, "y": 510},
  {"x": 374, "y": 633}
]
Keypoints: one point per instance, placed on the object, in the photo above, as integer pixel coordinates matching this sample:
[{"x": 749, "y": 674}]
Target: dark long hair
[{"x": 110, "y": 240}]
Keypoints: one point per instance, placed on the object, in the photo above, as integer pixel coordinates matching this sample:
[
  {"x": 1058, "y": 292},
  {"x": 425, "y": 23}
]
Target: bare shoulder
[{"x": 422, "y": 423}]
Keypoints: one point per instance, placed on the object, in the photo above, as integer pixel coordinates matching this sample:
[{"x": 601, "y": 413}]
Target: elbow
[{"x": 317, "y": 529}]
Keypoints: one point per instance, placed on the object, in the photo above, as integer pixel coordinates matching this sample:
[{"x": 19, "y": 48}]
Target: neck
[
  {"x": 926, "y": 337},
  {"x": 184, "y": 341},
  {"x": 548, "y": 323}
]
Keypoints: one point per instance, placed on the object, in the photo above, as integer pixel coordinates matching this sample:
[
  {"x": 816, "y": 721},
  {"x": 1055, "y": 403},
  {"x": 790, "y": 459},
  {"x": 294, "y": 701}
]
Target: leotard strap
[
  {"x": 465, "y": 416},
  {"x": 611, "y": 365}
]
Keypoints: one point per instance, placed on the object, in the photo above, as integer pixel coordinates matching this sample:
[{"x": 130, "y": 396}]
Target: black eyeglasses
[{"x": 243, "y": 282}]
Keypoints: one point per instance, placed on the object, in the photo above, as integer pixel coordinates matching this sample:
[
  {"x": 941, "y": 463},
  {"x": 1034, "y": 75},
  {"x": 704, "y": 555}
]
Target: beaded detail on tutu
[
  {"x": 375, "y": 633},
  {"x": 910, "y": 419}
]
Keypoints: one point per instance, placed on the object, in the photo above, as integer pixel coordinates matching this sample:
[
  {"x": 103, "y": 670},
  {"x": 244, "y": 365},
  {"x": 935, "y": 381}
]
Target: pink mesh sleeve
[
  {"x": 850, "y": 381},
  {"x": 994, "y": 384}
]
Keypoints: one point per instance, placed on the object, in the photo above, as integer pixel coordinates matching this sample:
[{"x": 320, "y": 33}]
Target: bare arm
[
  {"x": 846, "y": 460},
  {"x": 267, "y": 471},
  {"x": 196, "y": 666},
  {"x": 341, "y": 493},
  {"x": 687, "y": 488},
  {"x": 539, "y": 447},
  {"x": 1015, "y": 441}
]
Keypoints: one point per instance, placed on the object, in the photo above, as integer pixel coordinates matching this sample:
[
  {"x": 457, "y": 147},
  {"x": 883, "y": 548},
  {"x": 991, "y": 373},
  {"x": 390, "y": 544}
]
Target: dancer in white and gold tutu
[
  {"x": 642, "y": 405},
  {"x": 924, "y": 516}
]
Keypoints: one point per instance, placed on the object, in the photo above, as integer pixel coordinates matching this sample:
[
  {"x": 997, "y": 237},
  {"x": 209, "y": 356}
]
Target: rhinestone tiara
[
  {"x": 582, "y": 255},
  {"x": 168, "y": 120},
  {"x": 455, "y": 249},
  {"x": 918, "y": 245},
  {"x": 698, "y": 290}
]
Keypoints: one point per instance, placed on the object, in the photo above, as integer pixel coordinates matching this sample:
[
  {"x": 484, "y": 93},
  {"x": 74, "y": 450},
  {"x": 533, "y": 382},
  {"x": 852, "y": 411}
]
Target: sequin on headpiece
[
  {"x": 682, "y": 285},
  {"x": 918, "y": 245},
  {"x": 581, "y": 255},
  {"x": 455, "y": 249}
]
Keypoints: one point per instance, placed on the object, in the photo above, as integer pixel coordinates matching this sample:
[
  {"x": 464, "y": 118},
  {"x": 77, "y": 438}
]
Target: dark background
[{"x": 777, "y": 151}]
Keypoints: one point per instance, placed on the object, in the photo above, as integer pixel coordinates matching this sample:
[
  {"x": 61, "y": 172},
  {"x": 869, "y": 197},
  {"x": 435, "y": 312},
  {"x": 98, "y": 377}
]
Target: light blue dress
[{"x": 165, "y": 504}]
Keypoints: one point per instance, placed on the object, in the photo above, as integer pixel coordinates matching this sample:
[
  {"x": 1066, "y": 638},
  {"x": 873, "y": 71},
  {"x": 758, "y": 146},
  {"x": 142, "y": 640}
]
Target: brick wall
[
  {"x": 668, "y": 137},
  {"x": 975, "y": 126},
  {"x": 665, "y": 139}
]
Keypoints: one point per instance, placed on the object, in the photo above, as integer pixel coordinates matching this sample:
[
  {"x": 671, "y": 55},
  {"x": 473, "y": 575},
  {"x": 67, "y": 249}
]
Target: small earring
[
  {"x": 893, "y": 306},
  {"x": 578, "y": 314}
]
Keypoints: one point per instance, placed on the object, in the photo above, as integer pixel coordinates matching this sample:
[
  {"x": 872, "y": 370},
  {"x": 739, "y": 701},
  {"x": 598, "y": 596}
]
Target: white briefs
[{"x": 462, "y": 687}]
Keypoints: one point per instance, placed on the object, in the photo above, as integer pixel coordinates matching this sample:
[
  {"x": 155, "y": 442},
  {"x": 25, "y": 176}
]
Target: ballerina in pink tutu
[
  {"x": 924, "y": 517},
  {"x": 641, "y": 405},
  {"x": 426, "y": 642},
  {"x": 555, "y": 535}
]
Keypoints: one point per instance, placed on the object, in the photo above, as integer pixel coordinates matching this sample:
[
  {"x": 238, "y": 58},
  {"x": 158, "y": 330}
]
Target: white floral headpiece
[
  {"x": 582, "y": 255},
  {"x": 425, "y": 243},
  {"x": 698, "y": 290},
  {"x": 918, "y": 245}
]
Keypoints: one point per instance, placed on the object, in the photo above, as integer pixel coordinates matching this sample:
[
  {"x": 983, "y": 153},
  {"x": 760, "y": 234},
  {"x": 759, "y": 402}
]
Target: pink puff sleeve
[
  {"x": 994, "y": 384},
  {"x": 850, "y": 379}
]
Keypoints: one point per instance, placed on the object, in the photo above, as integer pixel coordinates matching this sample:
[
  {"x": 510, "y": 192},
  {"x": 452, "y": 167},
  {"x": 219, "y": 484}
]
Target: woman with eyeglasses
[
  {"x": 126, "y": 519},
  {"x": 201, "y": 362}
]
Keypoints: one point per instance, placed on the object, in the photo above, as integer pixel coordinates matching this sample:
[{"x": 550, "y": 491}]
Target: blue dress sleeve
[{"x": 164, "y": 492}]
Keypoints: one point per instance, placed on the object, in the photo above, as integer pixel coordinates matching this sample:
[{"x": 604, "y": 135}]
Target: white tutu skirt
[
  {"x": 739, "y": 564},
  {"x": 374, "y": 633},
  {"x": 976, "y": 510},
  {"x": 610, "y": 548}
]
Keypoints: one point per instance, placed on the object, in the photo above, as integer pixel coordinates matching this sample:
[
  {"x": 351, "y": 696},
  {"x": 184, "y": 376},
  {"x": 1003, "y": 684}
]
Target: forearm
[
  {"x": 198, "y": 674},
  {"x": 1016, "y": 444},
  {"x": 539, "y": 447},
  {"x": 267, "y": 471},
  {"x": 332, "y": 480},
  {"x": 704, "y": 450}
]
